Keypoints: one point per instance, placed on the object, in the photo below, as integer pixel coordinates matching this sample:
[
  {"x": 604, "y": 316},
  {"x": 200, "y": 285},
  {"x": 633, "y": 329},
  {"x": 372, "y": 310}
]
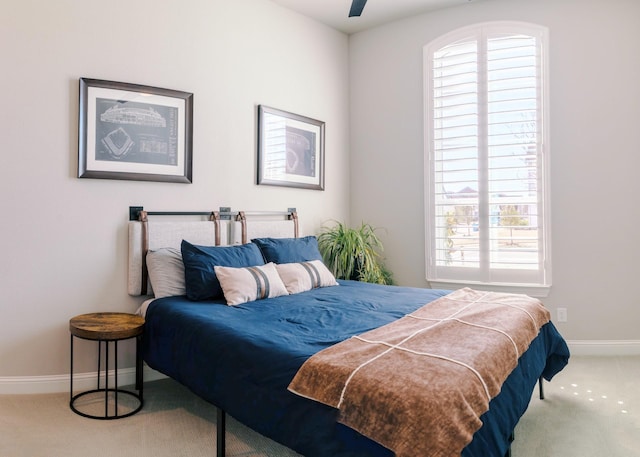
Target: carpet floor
[{"x": 592, "y": 408}]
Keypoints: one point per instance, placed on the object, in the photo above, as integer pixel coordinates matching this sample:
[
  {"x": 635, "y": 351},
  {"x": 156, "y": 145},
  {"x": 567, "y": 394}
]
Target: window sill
[{"x": 533, "y": 290}]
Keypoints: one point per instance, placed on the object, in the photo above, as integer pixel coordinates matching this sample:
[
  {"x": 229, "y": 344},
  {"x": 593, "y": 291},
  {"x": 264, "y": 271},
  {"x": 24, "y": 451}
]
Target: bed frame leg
[
  {"x": 220, "y": 433},
  {"x": 511, "y": 438}
]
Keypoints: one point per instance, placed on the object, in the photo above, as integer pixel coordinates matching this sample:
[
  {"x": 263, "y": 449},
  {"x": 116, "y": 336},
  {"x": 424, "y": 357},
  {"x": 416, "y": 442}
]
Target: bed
[{"x": 242, "y": 358}]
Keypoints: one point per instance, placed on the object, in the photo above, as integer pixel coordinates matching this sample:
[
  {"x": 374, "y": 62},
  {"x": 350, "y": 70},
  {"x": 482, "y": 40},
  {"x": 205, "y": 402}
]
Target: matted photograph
[
  {"x": 290, "y": 149},
  {"x": 135, "y": 132}
]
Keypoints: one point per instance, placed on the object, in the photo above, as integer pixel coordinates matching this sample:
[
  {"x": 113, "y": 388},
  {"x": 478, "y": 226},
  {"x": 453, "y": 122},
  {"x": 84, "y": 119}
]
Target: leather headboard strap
[
  {"x": 243, "y": 220},
  {"x": 215, "y": 218},
  {"x": 294, "y": 216}
]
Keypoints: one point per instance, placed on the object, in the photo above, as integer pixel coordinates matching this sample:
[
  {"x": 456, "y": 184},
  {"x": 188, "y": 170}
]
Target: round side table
[{"x": 108, "y": 328}]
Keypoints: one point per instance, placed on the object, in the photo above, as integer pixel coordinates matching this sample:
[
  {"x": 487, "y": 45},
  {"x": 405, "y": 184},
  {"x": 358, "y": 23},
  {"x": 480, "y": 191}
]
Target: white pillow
[
  {"x": 303, "y": 276},
  {"x": 166, "y": 272},
  {"x": 241, "y": 285}
]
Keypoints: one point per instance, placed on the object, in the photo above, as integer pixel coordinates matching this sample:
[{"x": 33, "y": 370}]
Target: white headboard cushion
[
  {"x": 262, "y": 229},
  {"x": 164, "y": 234}
]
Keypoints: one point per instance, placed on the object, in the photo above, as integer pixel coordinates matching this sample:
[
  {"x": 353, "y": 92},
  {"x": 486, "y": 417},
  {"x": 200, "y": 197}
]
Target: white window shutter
[{"x": 486, "y": 170}]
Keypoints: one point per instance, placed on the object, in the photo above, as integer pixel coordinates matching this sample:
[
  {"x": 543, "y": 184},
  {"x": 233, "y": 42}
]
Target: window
[{"x": 486, "y": 156}]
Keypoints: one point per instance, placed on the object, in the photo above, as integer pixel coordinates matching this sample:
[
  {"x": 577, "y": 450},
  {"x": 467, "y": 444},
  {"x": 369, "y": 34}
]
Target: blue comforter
[{"x": 242, "y": 359}]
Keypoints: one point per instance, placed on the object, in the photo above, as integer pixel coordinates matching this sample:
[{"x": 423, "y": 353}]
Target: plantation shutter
[{"x": 485, "y": 161}]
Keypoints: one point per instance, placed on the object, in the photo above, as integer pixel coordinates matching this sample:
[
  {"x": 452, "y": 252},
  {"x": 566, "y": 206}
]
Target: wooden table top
[{"x": 106, "y": 326}]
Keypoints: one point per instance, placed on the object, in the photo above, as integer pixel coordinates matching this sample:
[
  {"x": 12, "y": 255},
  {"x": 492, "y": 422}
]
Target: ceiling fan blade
[{"x": 356, "y": 7}]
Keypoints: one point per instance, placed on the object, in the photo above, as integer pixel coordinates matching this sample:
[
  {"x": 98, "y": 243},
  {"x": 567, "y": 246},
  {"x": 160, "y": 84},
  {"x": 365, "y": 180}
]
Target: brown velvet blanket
[{"x": 419, "y": 385}]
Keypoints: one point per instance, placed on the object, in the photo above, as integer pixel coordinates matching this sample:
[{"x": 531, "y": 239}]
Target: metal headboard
[{"x": 139, "y": 214}]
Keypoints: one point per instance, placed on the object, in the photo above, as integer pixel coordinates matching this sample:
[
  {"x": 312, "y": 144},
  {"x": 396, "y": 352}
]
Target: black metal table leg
[
  {"x": 71, "y": 373},
  {"x": 139, "y": 367},
  {"x": 220, "y": 433},
  {"x": 106, "y": 379}
]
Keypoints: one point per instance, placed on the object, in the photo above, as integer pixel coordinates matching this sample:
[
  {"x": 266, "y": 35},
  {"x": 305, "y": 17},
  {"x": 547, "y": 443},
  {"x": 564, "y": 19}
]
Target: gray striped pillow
[
  {"x": 303, "y": 276},
  {"x": 242, "y": 285}
]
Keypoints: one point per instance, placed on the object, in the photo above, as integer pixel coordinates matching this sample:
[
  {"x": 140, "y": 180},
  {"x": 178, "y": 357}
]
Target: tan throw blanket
[{"x": 419, "y": 385}]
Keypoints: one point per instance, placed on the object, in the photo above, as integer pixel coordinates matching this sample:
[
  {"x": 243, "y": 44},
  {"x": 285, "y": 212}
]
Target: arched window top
[{"x": 494, "y": 28}]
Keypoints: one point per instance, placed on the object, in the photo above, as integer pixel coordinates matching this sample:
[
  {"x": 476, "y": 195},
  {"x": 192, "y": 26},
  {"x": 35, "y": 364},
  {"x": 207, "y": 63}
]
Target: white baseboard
[
  {"x": 126, "y": 376},
  {"x": 604, "y": 348},
  {"x": 60, "y": 383}
]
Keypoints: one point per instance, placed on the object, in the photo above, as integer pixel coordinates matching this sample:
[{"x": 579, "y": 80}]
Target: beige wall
[
  {"x": 595, "y": 149},
  {"x": 64, "y": 239}
]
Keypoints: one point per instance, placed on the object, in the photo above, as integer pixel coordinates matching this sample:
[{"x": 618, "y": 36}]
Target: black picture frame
[
  {"x": 134, "y": 132},
  {"x": 290, "y": 149}
]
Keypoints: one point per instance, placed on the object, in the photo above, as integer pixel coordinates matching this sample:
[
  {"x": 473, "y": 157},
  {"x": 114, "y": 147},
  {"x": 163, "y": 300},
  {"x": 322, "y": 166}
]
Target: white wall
[
  {"x": 595, "y": 156},
  {"x": 64, "y": 239}
]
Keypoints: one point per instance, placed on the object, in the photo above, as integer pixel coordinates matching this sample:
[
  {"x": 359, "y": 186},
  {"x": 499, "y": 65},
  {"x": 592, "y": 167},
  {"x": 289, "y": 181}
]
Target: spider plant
[{"x": 353, "y": 253}]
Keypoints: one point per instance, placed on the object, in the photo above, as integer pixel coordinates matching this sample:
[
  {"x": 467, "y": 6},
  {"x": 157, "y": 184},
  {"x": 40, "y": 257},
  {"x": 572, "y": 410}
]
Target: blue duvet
[{"x": 242, "y": 358}]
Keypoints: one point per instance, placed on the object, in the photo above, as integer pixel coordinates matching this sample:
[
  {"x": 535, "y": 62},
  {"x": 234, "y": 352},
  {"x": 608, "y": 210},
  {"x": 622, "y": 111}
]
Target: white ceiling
[{"x": 335, "y": 12}]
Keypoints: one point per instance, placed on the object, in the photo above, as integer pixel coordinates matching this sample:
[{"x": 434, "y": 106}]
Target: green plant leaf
[{"x": 353, "y": 253}]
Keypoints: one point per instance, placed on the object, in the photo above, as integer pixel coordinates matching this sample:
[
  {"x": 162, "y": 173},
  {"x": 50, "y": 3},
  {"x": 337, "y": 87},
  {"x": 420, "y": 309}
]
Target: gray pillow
[{"x": 166, "y": 272}]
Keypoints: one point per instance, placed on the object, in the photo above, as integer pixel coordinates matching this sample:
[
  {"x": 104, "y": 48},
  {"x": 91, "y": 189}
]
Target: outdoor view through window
[{"x": 485, "y": 157}]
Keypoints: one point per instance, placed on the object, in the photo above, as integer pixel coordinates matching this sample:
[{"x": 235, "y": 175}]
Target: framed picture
[
  {"x": 290, "y": 149},
  {"x": 130, "y": 131}
]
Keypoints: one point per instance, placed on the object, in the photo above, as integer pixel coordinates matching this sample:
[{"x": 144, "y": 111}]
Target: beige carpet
[
  {"x": 592, "y": 409},
  {"x": 173, "y": 423}
]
